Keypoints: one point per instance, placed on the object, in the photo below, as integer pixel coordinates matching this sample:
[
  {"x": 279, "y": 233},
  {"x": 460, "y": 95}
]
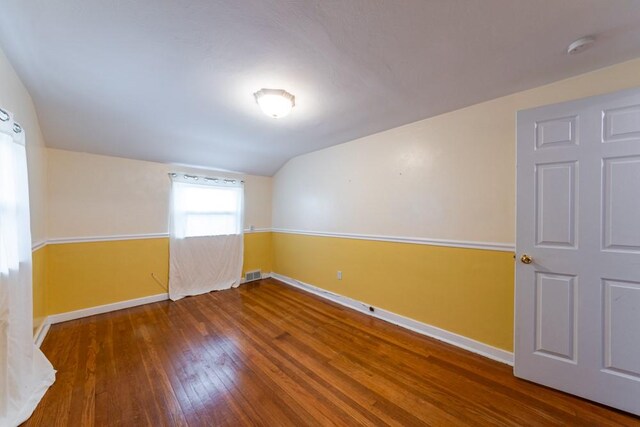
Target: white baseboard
[
  {"x": 86, "y": 312},
  {"x": 388, "y": 316},
  {"x": 463, "y": 342},
  {"x": 41, "y": 333}
]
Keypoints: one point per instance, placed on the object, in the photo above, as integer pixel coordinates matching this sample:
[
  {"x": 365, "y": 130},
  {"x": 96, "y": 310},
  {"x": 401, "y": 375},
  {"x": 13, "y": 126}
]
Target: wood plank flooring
[{"x": 267, "y": 354}]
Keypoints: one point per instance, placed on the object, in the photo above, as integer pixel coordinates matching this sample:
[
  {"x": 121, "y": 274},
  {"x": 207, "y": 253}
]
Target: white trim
[
  {"x": 86, "y": 239},
  {"x": 461, "y": 341},
  {"x": 42, "y": 331},
  {"x": 490, "y": 246},
  {"x": 63, "y": 240},
  {"x": 257, "y": 230},
  {"x": 388, "y": 316},
  {"x": 38, "y": 245},
  {"x": 92, "y": 311}
]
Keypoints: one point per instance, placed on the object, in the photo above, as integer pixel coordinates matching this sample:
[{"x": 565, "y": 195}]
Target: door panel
[
  {"x": 621, "y": 124},
  {"x": 578, "y": 217},
  {"x": 555, "y": 316},
  {"x": 555, "y": 204},
  {"x": 621, "y": 328},
  {"x": 556, "y": 132},
  {"x": 621, "y": 204}
]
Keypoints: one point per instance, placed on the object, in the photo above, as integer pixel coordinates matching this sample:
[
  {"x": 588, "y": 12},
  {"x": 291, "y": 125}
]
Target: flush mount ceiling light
[
  {"x": 580, "y": 45},
  {"x": 275, "y": 103}
]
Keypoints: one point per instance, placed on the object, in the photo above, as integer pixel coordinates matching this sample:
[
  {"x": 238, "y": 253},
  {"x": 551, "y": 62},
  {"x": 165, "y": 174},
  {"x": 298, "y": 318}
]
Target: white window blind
[{"x": 206, "y": 210}]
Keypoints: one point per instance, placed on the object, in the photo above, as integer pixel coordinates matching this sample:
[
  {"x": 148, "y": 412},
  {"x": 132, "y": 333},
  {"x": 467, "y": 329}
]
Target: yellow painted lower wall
[
  {"x": 39, "y": 262},
  {"x": 465, "y": 291},
  {"x": 258, "y": 252},
  {"x": 89, "y": 274}
]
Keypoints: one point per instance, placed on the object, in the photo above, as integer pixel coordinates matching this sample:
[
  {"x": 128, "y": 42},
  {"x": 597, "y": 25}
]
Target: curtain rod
[
  {"x": 4, "y": 116},
  {"x": 206, "y": 178}
]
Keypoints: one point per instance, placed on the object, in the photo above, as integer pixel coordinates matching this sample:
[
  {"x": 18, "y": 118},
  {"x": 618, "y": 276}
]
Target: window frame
[{"x": 178, "y": 214}]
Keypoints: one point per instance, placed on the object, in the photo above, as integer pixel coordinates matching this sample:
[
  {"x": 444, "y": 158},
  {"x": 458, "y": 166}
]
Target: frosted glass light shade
[{"x": 275, "y": 103}]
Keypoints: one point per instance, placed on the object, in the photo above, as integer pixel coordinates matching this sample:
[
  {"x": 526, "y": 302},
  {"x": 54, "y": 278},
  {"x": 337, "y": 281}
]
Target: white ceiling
[{"x": 172, "y": 81}]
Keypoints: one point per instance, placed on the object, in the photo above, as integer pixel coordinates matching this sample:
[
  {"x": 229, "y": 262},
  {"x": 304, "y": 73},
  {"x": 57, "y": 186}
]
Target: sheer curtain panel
[
  {"x": 25, "y": 373},
  {"x": 206, "y": 228}
]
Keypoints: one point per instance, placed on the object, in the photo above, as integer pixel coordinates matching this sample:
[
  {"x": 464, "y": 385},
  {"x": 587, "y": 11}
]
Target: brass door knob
[{"x": 526, "y": 259}]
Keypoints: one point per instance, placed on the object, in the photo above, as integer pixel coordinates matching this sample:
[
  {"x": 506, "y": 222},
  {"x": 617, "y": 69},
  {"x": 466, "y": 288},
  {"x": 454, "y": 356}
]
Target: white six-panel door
[{"x": 578, "y": 220}]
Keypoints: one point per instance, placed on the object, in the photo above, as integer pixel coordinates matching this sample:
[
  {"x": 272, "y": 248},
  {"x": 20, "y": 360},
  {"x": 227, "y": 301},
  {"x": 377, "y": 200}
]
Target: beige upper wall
[
  {"x": 448, "y": 177},
  {"x": 15, "y": 98},
  {"x": 91, "y": 195}
]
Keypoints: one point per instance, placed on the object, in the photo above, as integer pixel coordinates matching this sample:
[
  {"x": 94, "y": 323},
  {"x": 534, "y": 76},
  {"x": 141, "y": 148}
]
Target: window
[
  {"x": 206, "y": 210},
  {"x": 9, "y": 206}
]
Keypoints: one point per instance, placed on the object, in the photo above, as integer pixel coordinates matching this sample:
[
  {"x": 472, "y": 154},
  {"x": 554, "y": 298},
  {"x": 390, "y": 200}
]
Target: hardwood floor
[{"x": 267, "y": 354}]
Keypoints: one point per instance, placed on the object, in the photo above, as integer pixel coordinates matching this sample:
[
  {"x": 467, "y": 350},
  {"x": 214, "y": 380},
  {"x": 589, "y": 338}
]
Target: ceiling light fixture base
[{"x": 275, "y": 103}]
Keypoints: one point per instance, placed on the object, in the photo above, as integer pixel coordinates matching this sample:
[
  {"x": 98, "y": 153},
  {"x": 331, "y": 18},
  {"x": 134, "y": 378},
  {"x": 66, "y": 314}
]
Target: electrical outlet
[{"x": 339, "y": 275}]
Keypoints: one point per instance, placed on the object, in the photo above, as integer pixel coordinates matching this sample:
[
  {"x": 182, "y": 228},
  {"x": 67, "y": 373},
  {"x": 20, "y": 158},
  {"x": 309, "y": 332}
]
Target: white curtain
[
  {"x": 206, "y": 228},
  {"x": 25, "y": 373}
]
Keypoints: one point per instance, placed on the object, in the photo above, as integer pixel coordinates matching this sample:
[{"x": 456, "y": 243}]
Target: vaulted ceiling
[{"x": 173, "y": 81}]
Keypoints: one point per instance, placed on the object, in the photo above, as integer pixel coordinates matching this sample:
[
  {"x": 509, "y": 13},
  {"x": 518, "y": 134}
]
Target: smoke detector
[{"x": 580, "y": 45}]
